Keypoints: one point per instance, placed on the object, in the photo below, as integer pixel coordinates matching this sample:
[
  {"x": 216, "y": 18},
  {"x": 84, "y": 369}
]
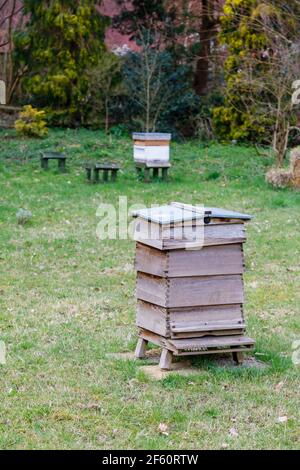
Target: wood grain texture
[
  {"x": 211, "y": 342},
  {"x": 192, "y": 235},
  {"x": 199, "y": 346},
  {"x": 215, "y": 260},
  {"x": 190, "y": 291},
  {"x": 151, "y": 261},
  {"x": 153, "y": 318},
  {"x": 152, "y": 289},
  {"x": 190, "y": 322},
  {"x": 211, "y": 290},
  {"x": 208, "y": 314}
]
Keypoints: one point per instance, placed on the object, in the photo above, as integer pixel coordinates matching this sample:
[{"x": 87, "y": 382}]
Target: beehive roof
[{"x": 172, "y": 214}]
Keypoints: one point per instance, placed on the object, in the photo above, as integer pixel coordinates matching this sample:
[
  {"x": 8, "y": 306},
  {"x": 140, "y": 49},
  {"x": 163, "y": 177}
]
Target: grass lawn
[{"x": 67, "y": 300}]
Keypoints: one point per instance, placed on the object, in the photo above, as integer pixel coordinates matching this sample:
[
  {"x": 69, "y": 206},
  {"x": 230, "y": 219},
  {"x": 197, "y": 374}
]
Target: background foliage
[{"x": 62, "y": 40}]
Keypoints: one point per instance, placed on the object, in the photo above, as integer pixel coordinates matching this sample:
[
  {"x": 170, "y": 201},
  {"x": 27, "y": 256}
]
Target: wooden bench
[
  {"x": 93, "y": 172},
  {"x": 155, "y": 166},
  {"x": 60, "y": 157}
]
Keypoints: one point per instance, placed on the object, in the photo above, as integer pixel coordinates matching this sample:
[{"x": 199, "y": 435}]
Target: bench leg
[
  {"x": 140, "y": 351},
  {"x": 238, "y": 357},
  {"x": 89, "y": 174},
  {"x": 165, "y": 174},
  {"x": 96, "y": 175},
  {"x": 166, "y": 359},
  {"x": 155, "y": 172},
  {"x": 114, "y": 176},
  {"x": 62, "y": 166},
  {"x": 44, "y": 163}
]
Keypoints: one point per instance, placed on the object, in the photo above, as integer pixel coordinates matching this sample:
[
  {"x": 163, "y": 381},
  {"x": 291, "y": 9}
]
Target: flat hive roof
[{"x": 170, "y": 214}]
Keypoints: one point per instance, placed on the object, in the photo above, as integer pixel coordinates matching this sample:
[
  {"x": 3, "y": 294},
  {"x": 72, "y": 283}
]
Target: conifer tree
[{"x": 63, "y": 39}]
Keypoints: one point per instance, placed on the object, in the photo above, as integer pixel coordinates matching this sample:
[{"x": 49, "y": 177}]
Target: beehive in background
[
  {"x": 151, "y": 147},
  {"x": 190, "y": 290}
]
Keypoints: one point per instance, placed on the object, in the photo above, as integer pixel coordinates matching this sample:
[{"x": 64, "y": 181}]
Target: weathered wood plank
[
  {"x": 208, "y": 314},
  {"x": 152, "y": 289},
  {"x": 166, "y": 237},
  {"x": 205, "y": 329},
  {"x": 193, "y": 321},
  {"x": 202, "y": 334},
  {"x": 208, "y": 232},
  {"x": 215, "y": 260},
  {"x": 211, "y": 342},
  {"x": 153, "y": 318},
  {"x": 190, "y": 291},
  {"x": 201, "y": 346},
  {"x": 150, "y": 260},
  {"x": 212, "y": 290}
]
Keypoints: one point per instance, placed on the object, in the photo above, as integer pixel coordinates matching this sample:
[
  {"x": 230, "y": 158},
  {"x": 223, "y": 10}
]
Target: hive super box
[{"x": 190, "y": 291}]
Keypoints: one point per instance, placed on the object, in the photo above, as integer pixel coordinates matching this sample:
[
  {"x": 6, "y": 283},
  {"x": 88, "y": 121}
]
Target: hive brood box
[
  {"x": 150, "y": 147},
  {"x": 190, "y": 289}
]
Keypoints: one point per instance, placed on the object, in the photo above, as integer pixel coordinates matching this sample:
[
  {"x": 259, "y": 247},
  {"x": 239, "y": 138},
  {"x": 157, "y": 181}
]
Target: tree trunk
[
  {"x": 206, "y": 33},
  {"x": 280, "y": 144},
  {"x": 106, "y": 115}
]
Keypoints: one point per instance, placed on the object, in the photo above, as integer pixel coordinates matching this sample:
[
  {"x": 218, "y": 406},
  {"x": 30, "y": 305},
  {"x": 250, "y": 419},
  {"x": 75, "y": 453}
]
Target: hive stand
[
  {"x": 155, "y": 166},
  {"x": 60, "y": 157},
  {"x": 93, "y": 170},
  {"x": 236, "y": 345}
]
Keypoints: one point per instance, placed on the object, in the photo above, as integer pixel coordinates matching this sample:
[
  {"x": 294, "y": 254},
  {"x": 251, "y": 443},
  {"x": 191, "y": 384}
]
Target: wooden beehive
[
  {"x": 151, "y": 147},
  {"x": 190, "y": 290}
]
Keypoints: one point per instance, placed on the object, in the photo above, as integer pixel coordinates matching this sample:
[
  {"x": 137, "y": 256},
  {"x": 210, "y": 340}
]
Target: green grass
[{"x": 67, "y": 299}]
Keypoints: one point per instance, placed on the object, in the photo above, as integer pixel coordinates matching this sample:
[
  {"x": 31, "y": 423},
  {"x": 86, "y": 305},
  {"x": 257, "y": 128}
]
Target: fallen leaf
[{"x": 163, "y": 429}]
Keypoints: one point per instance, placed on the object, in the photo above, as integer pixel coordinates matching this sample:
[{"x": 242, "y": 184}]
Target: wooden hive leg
[
  {"x": 166, "y": 359},
  {"x": 140, "y": 351},
  {"x": 138, "y": 171},
  {"x": 155, "y": 172},
  {"x": 238, "y": 357},
  {"x": 147, "y": 175},
  {"x": 114, "y": 175},
  {"x": 165, "y": 174}
]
